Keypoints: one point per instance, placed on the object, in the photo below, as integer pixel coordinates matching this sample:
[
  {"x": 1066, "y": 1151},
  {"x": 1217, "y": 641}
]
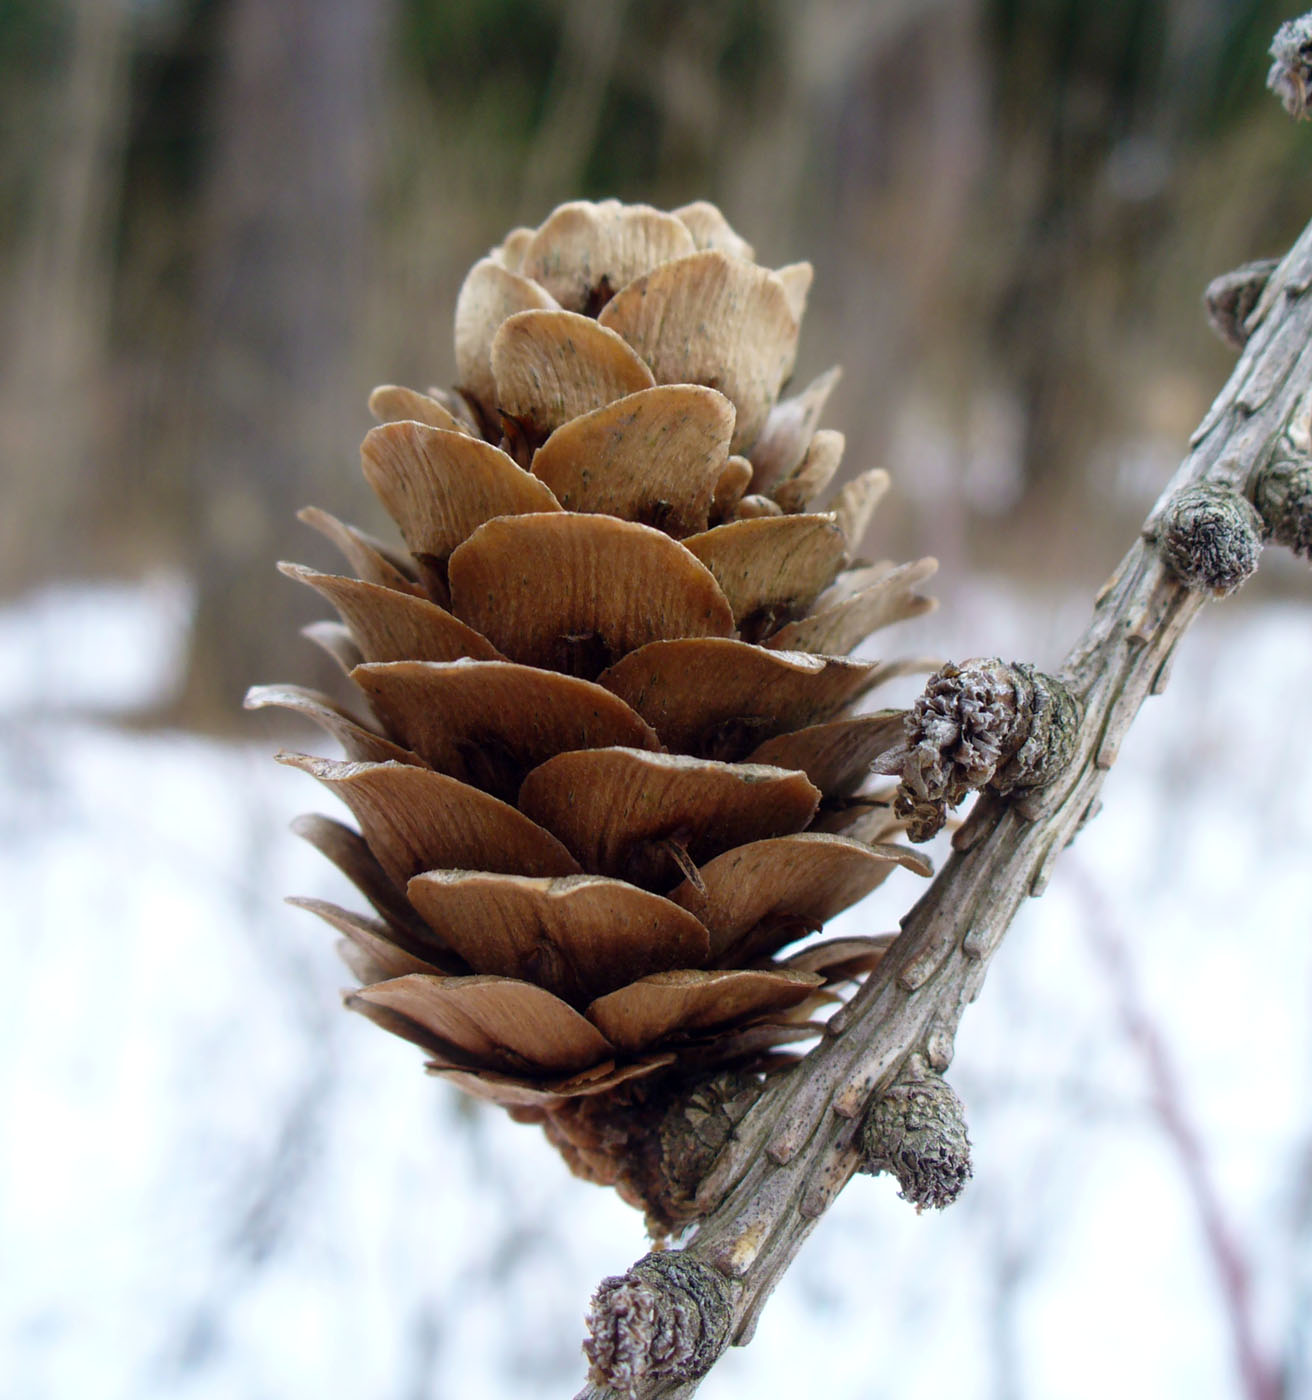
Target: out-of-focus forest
[{"x": 223, "y": 221}]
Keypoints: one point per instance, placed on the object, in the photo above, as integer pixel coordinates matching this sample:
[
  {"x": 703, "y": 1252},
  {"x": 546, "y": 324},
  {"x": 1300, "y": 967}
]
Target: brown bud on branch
[
  {"x": 985, "y": 723},
  {"x": 666, "y": 1320},
  {"x": 654, "y": 1141},
  {"x": 917, "y": 1131},
  {"x": 1231, "y": 297},
  {"x": 1210, "y": 538},
  {"x": 692, "y": 1135},
  {"x": 1290, "y": 77},
  {"x": 1284, "y": 501}
]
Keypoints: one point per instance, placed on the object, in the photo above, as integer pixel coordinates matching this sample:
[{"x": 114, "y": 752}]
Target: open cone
[{"x": 608, "y": 752}]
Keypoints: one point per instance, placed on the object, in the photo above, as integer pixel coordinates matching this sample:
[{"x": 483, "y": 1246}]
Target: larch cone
[{"x": 608, "y": 752}]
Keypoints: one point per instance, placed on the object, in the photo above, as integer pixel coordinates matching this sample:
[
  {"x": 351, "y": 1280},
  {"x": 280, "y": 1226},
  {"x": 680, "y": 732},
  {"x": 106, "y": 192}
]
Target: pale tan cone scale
[{"x": 607, "y": 752}]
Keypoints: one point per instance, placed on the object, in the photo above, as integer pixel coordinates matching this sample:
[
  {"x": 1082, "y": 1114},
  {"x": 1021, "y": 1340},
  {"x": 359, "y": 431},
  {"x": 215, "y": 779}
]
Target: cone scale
[{"x": 606, "y": 754}]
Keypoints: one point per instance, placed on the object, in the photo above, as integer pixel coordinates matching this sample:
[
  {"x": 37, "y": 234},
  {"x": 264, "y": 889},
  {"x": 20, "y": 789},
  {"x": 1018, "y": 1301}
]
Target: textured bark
[{"x": 801, "y": 1142}]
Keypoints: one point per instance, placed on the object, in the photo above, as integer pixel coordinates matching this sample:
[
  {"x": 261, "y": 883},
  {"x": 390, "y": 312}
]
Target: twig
[{"x": 802, "y": 1141}]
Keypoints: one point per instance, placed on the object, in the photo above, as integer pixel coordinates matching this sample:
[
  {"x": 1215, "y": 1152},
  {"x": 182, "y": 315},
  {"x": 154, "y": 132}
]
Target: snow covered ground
[{"x": 215, "y": 1183}]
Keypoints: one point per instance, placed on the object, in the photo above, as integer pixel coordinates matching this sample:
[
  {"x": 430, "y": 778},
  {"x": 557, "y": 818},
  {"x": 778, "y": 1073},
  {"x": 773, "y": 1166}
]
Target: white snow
[
  {"x": 215, "y": 1183},
  {"x": 107, "y": 648}
]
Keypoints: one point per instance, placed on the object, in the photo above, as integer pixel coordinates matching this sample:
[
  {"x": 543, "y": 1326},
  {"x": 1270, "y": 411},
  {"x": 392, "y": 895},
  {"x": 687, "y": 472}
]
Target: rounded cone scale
[
  {"x": 391, "y": 403},
  {"x": 575, "y": 592},
  {"x": 579, "y": 937},
  {"x": 712, "y": 319},
  {"x": 629, "y": 814},
  {"x": 360, "y": 744},
  {"x": 368, "y": 557},
  {"x": 415, "y": 820},
  {"x": 854, "y": 506},
  {"x": 842, "y": 957},
  {"x": 440, "y": 486},
  {"x": 654, "y": 457},
  {"x": 378, "y": 957},
  {"x": 496, "y": 1021},
  {"x": 489, "y": 722},
  {"x": 645, "y": 1012},
  {"x": 814, "y": 473},
  {"x": 770, "y": 569},
  {"x": 735, "y": 477},
  {"x": 711, "y": 230},
  {"x": 350, "y": 853},
  {"x": 518, "y": 1092},
  {"x": 788, "y": 431},
  {"x": 720, "y": 698},
  {"x": 489, "y": 295},
  {"x": 836, "y": 756},
  {"x": 551, "y": 366},
  {"x": 585, "y": 252},
  {"x": 841, "y": 625},
  {"x": 762, "y": 895},
  {"x": 390, "y": 626}
]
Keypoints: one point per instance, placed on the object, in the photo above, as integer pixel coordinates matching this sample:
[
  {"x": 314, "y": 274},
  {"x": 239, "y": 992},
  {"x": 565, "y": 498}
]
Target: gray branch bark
[{"x": 801, "y": 1142}]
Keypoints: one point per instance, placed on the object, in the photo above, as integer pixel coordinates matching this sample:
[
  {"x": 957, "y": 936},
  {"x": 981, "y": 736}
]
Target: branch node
[
  {"x": 655, "y": 1142},
  {"x": 940, "y": 1046},
  {"x": 1284, "y": 501},
  {"x": 1231, "y": 297},
  {"x": 917, "y": 1131},
  {"x": 975, "y": 943},
  {"x": 983, "y": 724},
  {"x": 1290, "y": 77},
  {"x": 695, "y": 1130},
  {"x": 1210, "y": 538},
  {"x": 666, "y": 1320}
]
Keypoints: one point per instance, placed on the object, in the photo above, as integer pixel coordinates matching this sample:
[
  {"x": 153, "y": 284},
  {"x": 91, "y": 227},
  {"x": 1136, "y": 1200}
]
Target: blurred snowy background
[
  {"x": 216, "y": 1183},
  {"x": 221, "y": 221}
]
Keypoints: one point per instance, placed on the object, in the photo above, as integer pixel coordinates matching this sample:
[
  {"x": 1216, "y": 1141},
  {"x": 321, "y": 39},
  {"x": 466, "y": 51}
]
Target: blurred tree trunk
[
  {"x": 286, "y": 235},
  {"x": 881, "y": 121},
  {"x": 592, "y": 33},
  {"x": 58, "y": 327}
]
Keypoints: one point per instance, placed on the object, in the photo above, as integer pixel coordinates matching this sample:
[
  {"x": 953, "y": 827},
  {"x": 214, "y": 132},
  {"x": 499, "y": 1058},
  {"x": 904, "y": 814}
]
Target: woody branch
[{"x": 1246, "y": 480}]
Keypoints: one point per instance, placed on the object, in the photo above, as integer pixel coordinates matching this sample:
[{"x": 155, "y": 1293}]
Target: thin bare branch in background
[
  {"x": 1258, "y": 1376},
  {"x": 1296, "y": 1369}
]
